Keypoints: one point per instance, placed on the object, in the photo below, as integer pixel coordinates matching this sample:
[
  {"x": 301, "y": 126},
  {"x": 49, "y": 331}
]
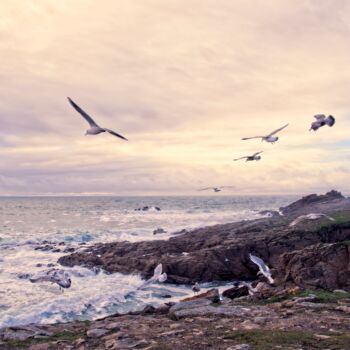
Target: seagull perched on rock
[
  {"x": 94, "y": 128},
  {"x": 268, "y": 138},
  {"x": 263, "y": 268},
  {"x": 215, "y": 189},
  {"x": 311, "y": 216},
  {"x": 322, "y": 120},
  {"x": 158, "y": 276},
  {"x": 255, "y": 156},
  {"x": 60, "y": 277},
  {"x": 196, "y": 288}
]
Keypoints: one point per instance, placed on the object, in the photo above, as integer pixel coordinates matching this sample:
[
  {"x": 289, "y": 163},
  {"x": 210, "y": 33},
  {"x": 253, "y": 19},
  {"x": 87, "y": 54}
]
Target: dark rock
[
  {"x": 235, "y": 292},
  {"x": 158, "y": 231},
  {"x": 69, "y": 250},
  {"x": 325, "y": 266},
  {"x": 330, "y": 201},
  {"x": 213, "y": 295}
]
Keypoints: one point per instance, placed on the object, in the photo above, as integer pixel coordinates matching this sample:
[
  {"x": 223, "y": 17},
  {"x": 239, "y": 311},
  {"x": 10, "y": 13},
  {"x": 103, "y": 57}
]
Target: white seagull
[
  {"x": 158, "y": 276},
  {"x": 196, "y": 288},
  {"x": 269, "y": 137},
  {"x": 311, "y": 216},
  {"x": 322, "y": 120},
  {"x": 263, "y": 268},
  {"x": 215, "y": 189},
  {"x": 94, "y": 128},
  {"x": 255, "y": 156},
  {"x": 60, "y": 277}
]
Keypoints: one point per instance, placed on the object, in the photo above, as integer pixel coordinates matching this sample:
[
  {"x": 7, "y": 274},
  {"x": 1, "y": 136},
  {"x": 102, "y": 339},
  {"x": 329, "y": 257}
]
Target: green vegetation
[
  {"x": 271, "y": 339},
  {"x": 321, "y": 295},
  {"x": 63, "y": 336}
]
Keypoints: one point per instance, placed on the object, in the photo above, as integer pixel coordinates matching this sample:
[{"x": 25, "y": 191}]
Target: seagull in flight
[
  {"x": 215, "y": 189},
  {"x": 268, "y": 138},
  {"x": 255, "y": 156},
  {"x": 311, "y": 216},
  {"x": 263, "y": 268},
  {"x": 322, "y": 120},
  {"x": 94, "y": 128},
  {"x": 158, "y": 276},
  {"x": 60, "y": 277}
]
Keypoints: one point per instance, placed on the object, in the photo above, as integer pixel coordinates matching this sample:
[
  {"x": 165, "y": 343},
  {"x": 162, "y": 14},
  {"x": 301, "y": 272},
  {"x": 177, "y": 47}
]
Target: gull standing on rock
[
  {"x": 94, "y": 128},
  {"x": 158, "y": 276},
  {"x": 196, "y": 288},
  {"x": 311, "y": 216},
  {"x": 268, "y": 138},
  {"x": 322, "y": 120},
  {"x": 263, "y": 268},
  {"x": 255, "y": 156}
]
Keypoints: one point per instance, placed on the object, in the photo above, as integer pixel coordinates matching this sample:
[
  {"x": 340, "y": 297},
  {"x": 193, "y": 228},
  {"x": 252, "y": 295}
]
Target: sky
[{"x": 184, "y": 81}]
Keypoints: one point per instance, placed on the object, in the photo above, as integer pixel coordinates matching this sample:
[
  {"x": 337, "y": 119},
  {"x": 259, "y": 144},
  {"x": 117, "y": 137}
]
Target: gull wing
[
  {"x": 260, "y": 263},
  {"x": 240, "y": 158},
  {"x": 254, "y": 137},
  {"x": 145, "y": 284},
  {"x": 40, "y": 279},
  {"x": 83, "y": 113},
  {"x": 319, "y": 117},
  {"x": 115, "y": 134},
  {"x": 297, "y": 221},
  {"x": 329, "y": 218},
  {"x": 158, "y": 271},
  {"x": 278, "y": 130},
  {"x": 255, "y": 154}
]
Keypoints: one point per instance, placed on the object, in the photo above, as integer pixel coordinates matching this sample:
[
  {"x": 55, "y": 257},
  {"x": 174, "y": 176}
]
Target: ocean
[{"x": 27, "y": 223}]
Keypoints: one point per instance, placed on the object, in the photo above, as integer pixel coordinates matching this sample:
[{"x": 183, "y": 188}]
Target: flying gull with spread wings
[
  {"x": 268, "y": 138},
  {"x": 215, "y": 189},
  {"x": 311, "y": 216},
  {"x": 60, "y": 277},
  {"x": 322, "y": 120},
  {"x": 94, "y": 128},
  {"x": 254, "y": 156},
  {"x": 158, "y": 276},
  {"x": 263, "y": 268}
]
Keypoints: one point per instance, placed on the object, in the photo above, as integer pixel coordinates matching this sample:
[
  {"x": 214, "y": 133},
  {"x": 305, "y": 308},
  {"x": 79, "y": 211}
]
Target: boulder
[
  {"x": 235, "y": 292},
  {"x": 331, "y": 201},
  {"x": 325, "y": 266}
]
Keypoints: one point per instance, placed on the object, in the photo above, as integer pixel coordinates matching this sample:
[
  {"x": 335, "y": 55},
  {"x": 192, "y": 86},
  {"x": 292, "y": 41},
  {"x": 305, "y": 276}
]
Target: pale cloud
[{"x": 184, "y": 81}]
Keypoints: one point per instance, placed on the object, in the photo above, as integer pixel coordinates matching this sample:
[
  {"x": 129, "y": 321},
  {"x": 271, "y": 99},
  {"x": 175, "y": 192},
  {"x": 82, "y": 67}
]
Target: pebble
[{"x": 96, "y": 332}]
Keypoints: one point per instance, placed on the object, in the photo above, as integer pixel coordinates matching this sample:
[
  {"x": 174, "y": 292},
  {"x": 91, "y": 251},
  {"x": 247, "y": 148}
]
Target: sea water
[{"x": 27, "y": 224}]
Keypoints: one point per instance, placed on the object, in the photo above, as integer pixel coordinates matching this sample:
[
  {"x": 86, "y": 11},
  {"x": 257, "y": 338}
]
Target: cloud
[{"x": 184, "y": 82}]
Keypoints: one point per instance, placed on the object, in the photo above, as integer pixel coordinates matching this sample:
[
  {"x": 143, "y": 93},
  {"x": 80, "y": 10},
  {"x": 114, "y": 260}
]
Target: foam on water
[{"x": 27, "y": 223}]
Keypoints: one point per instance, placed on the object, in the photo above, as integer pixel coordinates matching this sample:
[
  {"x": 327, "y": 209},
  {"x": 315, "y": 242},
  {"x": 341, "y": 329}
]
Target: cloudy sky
[{"x": 184, "y": 80}]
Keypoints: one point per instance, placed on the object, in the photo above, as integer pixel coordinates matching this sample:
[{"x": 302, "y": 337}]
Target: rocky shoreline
[
  {"x": 221, "y": 252},
  {"x": 308, "y": 309}
]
